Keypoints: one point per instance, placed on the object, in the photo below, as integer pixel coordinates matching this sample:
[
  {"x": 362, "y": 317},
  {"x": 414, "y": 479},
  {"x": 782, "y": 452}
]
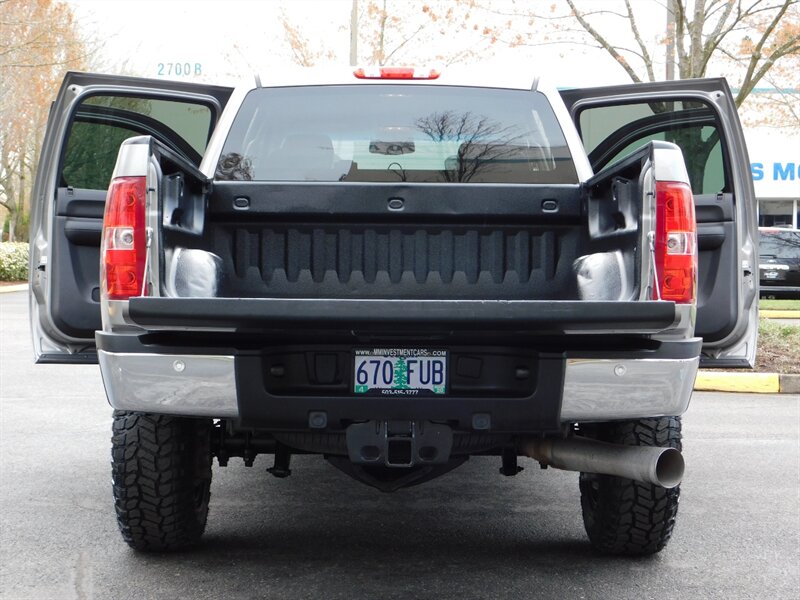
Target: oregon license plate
[{"x": 400, "y": 371}]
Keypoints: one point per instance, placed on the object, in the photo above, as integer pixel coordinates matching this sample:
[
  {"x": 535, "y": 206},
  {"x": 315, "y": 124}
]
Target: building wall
[{"x": 775, "y": 167}]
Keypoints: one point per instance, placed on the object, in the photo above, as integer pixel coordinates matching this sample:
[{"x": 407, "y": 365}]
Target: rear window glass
[{"x": 391, "y": 133}]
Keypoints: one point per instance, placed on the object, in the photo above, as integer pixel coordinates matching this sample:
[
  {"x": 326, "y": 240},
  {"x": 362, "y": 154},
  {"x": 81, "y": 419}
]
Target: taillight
[
  {"x": 124, "y": 239},
  {"x": 675, "y": 243},
  {"x": 396, "y": 73}
]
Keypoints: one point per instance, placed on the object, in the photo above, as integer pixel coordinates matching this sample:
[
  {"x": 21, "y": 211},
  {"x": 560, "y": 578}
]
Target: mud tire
[
  {"x": 161, "y": 477},
  {"x": 627, "y": 517}
]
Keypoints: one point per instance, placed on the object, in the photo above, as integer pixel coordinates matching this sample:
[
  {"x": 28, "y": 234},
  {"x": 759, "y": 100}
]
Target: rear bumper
[
  {"x": 566, "y": 388},
  {"x": 608, "y": 389},
  {"x": 177, "y": 384}
]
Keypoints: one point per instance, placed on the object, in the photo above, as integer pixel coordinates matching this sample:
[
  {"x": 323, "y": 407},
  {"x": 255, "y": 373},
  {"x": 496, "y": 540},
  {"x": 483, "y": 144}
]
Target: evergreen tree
[{"x": 400, "y": 375}]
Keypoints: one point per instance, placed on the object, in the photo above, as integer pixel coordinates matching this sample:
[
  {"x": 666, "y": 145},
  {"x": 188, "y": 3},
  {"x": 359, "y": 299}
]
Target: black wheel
[
  {"x": 161, "y": 475},
  {"x": 623, "y": 516}
]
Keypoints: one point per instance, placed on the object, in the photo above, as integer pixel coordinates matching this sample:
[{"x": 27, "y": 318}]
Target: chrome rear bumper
[
  {"x": 178, "y": 384},
  {"x": 608, "y": 390},
  {"x": 201, "y": 385}
]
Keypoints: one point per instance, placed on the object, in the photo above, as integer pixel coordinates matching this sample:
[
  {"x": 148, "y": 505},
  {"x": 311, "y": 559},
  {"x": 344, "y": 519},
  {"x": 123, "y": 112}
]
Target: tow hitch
[{"x": 399, "y": 444}]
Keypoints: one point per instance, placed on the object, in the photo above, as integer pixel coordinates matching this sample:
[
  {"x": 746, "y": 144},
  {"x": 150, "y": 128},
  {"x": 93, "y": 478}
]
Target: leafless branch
[
  {"x": 645, "y": 55},
  {"x": 604, "y": 43},
  {"x": 715, "y": 36},
  {"x": 404, "y": 42},
  {"x": 754, "y": 73}
]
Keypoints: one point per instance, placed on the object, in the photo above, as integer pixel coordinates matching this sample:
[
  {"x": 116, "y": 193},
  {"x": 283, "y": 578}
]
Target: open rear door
[
  {"x": 699, "y": 116},
  {"x": 91, "y": 116}
]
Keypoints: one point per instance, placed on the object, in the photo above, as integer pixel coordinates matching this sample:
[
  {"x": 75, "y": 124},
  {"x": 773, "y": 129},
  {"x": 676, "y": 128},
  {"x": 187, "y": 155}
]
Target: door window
[
  {"x": 612, "y": 132},
  {"x": 101, "y": 123}
]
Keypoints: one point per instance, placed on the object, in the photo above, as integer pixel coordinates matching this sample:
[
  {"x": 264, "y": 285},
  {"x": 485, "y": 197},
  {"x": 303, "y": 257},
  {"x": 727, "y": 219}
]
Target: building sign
[
  {"x": 774, "y": 163},
  {"x": 780, "y": 171}
]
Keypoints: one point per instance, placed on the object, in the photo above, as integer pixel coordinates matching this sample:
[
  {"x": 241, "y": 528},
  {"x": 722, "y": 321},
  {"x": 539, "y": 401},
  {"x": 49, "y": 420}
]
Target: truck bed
[{"x": 339, "y": 241}]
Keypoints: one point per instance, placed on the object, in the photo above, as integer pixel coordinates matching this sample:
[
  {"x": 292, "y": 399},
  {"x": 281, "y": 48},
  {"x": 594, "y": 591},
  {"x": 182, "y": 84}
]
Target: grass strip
[
  {"x": 778, "y": 348},
  {"x": 779, "y": 304}
]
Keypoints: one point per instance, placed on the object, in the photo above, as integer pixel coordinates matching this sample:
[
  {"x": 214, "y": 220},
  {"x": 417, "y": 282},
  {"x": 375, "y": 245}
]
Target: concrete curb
[
  {"x": 757, "y": 383},
  {"x": 780, "y": 314},
  {"x": 21, "y": 287}
]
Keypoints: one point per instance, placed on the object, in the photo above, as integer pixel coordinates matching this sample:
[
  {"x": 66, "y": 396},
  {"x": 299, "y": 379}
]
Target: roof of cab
[{"x": 481, "y": 75}]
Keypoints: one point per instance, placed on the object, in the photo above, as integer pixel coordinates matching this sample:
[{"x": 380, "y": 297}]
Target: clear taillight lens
[
  {"x": 124, "y": 246},
  {"x": 675, "y": 243}
]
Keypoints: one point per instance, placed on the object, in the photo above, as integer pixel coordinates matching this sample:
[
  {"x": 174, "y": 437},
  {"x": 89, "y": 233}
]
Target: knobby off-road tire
[
  {"x": 161, "y": 475},
  {"x": 623, "y": 516}
]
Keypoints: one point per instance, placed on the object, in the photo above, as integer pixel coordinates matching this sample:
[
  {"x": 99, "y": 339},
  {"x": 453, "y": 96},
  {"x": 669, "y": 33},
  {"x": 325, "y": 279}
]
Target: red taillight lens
[
  {"x": 124, "y": 240},
  {"x": 675, "y": 243},
  {"x": 395, "y": 73}
]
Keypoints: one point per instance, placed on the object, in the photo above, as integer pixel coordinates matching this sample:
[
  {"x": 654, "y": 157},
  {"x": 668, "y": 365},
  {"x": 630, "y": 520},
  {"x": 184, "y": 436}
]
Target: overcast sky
[
  {"x": 234, "y": 39},
  {"x": 237, "y": 38}
]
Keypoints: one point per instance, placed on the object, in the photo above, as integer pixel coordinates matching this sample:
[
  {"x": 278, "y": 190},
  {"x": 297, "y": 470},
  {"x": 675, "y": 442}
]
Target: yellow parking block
[
  {"x": 761, "y": 383},
  {"x": 780, "y": 314}
]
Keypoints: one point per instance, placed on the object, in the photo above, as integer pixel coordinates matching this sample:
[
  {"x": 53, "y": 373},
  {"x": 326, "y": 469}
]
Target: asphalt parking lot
[{"x": 318, "y": 534}]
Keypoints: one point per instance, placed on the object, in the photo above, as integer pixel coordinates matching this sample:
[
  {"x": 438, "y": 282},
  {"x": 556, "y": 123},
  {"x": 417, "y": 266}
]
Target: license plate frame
[{"x": 413, "y": 372}]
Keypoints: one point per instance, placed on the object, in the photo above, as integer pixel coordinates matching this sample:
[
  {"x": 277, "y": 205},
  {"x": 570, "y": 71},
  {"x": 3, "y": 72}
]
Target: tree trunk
[
  {"x": 670, "y": 50},
  {"x": 12, "y": 225},
  {"x": 354, "y": 34}
]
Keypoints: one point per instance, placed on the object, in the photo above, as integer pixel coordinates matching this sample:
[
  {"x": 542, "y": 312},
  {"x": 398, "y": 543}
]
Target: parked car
[
  {"x": 395, "y": 269},
  {"x": 779, "y": 262}
]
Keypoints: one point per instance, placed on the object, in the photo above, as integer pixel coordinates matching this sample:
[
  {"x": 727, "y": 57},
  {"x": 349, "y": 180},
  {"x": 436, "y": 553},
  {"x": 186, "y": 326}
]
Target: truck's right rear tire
[
  {"x": 622, "y": 516},
  {"x": 161, "y": 475}
]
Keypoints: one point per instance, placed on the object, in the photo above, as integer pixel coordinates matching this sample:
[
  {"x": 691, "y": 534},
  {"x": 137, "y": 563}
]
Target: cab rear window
[{"x": 396, "y": 133}]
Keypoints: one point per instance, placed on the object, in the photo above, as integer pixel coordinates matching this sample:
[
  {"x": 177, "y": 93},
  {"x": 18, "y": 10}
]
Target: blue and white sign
[{"x": 774, "y": 163}]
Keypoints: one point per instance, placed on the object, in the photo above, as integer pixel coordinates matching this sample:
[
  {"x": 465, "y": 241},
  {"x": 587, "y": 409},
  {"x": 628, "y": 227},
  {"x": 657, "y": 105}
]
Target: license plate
[{"x": 400, "y": 371}]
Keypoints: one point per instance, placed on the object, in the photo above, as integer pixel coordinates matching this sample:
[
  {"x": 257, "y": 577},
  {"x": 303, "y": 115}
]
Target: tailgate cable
[
  {"x": 651, "y": 237},
  {"x": 148, "y": 243}
]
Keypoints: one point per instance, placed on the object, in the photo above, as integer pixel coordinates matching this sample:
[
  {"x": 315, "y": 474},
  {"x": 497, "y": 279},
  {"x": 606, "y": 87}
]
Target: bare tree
[
  {"x": 39, "y": 41},
  {"x": 397, "y": 32},
  {"x": 748, "y": 38},
  {"x": 304, "y": 53},
  {"x": 482, "y": 141}
]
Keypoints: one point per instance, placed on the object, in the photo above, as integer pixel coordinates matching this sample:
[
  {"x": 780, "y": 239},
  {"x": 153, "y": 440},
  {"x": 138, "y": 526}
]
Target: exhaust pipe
[{"x": 648, "y": 464}]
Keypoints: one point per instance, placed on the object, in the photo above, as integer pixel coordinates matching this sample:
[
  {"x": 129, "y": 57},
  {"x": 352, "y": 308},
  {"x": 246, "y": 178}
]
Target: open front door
[
  {"x": 699, "y": 116},
  {"x": 91, "y": 116}
]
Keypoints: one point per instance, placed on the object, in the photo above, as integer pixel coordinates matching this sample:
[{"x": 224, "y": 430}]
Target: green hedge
[{"x": 13, "y": 261}]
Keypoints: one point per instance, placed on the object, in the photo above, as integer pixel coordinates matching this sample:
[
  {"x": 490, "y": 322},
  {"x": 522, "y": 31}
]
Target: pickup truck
[
  {"x": 779, "y": 267},
  {"x": 396, "y": 269}
]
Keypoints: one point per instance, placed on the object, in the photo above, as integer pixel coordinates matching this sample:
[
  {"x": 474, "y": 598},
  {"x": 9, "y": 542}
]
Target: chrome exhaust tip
[{"x": 648, "y": 464}]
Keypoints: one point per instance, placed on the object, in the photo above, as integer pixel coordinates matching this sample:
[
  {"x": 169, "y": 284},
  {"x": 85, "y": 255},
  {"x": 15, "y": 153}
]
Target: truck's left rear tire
[
  {"x": 161, "y": 475},
  {"x": 622, "y": 516}
]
